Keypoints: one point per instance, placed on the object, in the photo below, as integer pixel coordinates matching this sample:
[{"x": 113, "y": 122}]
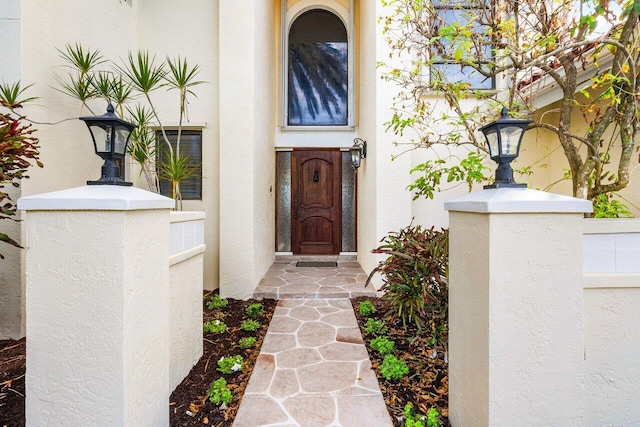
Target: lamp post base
[
  {"x": 110, "y": 181},
  {"x": 110, "y": 175},
  {"x": 505, "y": 185}
]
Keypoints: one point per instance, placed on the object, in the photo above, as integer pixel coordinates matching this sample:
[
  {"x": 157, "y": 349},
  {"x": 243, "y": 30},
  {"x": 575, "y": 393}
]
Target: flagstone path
[{"x": 313, "y": 368}]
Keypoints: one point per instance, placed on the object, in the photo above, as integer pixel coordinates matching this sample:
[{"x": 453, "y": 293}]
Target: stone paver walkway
[
  {"x": 313, "y": 370},
  {"x": 285, "y": 280}
]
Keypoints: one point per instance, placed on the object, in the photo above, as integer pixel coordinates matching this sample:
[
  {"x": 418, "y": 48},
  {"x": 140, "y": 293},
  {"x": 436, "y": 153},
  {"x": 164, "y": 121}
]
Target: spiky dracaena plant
[{"x": 140, "y": 74}]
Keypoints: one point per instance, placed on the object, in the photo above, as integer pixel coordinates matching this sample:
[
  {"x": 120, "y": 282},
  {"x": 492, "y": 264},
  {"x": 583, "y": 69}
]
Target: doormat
[{"x": 316, "y": 264}]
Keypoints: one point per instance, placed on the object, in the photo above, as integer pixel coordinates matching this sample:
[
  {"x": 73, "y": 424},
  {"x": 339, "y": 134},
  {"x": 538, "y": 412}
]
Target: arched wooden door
[{"x": 316, "y": 193}]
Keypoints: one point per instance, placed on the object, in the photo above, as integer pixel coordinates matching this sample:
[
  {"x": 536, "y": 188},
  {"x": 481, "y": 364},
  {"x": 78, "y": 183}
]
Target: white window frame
[
  {"x": 347, "y": 18},
  {"x": 462, "y": 5}
]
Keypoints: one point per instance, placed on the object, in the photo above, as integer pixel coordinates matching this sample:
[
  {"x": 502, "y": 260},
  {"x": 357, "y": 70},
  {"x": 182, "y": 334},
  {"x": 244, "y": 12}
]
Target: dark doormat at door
[{"x": 316, "y": 264}]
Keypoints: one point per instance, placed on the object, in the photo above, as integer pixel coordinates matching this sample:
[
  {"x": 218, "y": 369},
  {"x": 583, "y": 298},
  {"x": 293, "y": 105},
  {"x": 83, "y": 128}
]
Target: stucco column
[
  {"x": 97, "y": 272},
  {"x": 247, "y": 160},
  {"x": 516, "y": 352}
]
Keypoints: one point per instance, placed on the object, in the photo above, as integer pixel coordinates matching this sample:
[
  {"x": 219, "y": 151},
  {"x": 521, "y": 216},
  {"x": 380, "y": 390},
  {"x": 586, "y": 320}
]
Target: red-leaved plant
[
  {"x": 415, "y": 276},
  {"x": 18, "y": 149}
]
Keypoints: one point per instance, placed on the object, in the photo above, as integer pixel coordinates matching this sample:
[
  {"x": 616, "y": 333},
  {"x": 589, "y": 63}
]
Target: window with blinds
[{"x": 191, "y": 147}]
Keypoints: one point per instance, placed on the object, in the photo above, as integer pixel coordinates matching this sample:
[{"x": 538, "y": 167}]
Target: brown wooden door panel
[{"x": 317, "y": 201}]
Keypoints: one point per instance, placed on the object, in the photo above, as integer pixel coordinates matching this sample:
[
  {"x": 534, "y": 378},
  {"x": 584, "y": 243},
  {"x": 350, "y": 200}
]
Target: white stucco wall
[
  {"x": 66, "y": 148},
  {"x": 246, "y": 133},
  {"x": 10, "y": 40},
  {"x": 30, "y": 32},
  {"x": 97, "y": 307},
  {"x": 264, "y": 156},
  {"x": 612, "y": 337},
  {"x": 11, "y": 290},
  {"x": 383, "y": 203},
  {"x": 612, "y": 355},
  {"x": 516, "y": 310},
  {"x": 189, "y": 29},
  {"x": 186, "y": 249}
]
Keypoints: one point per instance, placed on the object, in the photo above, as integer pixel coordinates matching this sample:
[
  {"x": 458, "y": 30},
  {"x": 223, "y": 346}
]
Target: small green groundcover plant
[
  {"x": 250, "y": 325},
  {"x": 246, "y": 342},
  {"x": 255, "y": 310},
  {"x": 411, "y": 419},
  {"x": 375, "y": 327},
  {"x": 230, "y": 364},
  {"x": 366, "y": 309},
  {"x": 215, "y": 326},
  {"x": 216, "y": 302},
  {"x": 219, "y": 393},
  {"x": 392, "y": 368},
  {"x": 382, "y": 345}
]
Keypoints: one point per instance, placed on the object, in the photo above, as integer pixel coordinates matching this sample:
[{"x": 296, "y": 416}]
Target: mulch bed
[
  {"x": 188, "y": 404},
  {"x": 13, "y": 362},
  {"x": 427, "y": 384}
]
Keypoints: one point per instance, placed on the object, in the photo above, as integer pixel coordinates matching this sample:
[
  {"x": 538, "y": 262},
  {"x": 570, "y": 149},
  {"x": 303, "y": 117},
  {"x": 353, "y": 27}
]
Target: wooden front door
[{"x": 316, "y": 192}]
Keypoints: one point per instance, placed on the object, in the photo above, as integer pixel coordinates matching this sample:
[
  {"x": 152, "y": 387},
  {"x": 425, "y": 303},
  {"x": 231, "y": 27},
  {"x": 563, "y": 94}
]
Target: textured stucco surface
[
  {"x": 469, "y": 318},
  {"x": 11, "y": 289},
  {"x": 384, "y": 205},
  {"x": 612, "y": 352},
  {"x": 516, "y": 306},
  {"x": 185, "y": 316},
  {"x": 247, "y": 167},
  {"x": 11, "y": 307},
  {"x": 612, "y": 337},
  {"x": 186, "y": 249},
  {"x": 191, "y": 31},
  {"x": 97, "y": 318}
]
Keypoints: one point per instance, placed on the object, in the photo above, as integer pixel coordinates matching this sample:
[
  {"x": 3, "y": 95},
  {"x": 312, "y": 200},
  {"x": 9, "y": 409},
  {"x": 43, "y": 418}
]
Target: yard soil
[{"x": 425, "y": 387}]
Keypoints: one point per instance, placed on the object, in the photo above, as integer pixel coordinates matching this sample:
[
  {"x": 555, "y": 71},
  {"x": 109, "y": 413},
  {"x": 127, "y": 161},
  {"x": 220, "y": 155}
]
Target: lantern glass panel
[
  {"x": 355, "y": 157},
  {"x": 510, "y": 139},
  {"x": 101, "y": 137},
  {"x": 492, "y": 140},
  {"x": 122, "y": 134}
]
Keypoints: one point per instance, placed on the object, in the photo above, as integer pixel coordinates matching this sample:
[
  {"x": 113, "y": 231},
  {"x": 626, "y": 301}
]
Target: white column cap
[
  {"x": 518, "y": 200},
  {"x": 96, "y": 198}
]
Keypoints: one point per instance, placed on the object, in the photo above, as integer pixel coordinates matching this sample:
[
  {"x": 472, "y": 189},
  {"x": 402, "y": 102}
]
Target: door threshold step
[{"x": 316, "y": 258}]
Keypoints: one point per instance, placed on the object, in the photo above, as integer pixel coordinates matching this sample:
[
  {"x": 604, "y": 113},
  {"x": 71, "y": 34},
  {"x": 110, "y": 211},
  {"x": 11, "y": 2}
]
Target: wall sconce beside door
[{"x": 358, "y": 152}]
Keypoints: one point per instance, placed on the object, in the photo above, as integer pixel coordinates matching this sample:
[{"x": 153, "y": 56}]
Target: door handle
[{"x": 295, "y": 208}]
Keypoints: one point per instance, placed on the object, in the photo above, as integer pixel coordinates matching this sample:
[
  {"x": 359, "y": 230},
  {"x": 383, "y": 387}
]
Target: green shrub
[
  {"x": 433, "y": 418},
  {"x": 255, "y": 310},
  {"x": 247, "y": 342},
  {"x": 392, "y": 369},
  {"x": 415, "y": 274},
  {"x": 375, "y": 327},
  {"x": 410, "y": 417},
  {"x": 216, "y": 302},
  {"x": 366, "y": 309},
  {"x": 382, "y": 345},
  {"x": 250, "y": 325},
  {"x": 215, "y": 326},
  {"x": 605, "y": 206},
  {"x": 413, "y": 420},
  {"x": 219, "y": 393},
  {"x": 231, "y": 364}
]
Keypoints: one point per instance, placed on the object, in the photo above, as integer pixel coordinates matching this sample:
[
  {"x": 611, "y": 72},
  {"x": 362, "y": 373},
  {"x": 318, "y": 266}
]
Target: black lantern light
[
  {"x": 358, "y": 152},
  {"x": 503, "y": 138},
  {"x": 110, "y": 136}
]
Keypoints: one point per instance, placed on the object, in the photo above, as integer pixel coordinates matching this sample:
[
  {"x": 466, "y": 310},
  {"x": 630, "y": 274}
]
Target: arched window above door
[{"x": 318, "y": 70}]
